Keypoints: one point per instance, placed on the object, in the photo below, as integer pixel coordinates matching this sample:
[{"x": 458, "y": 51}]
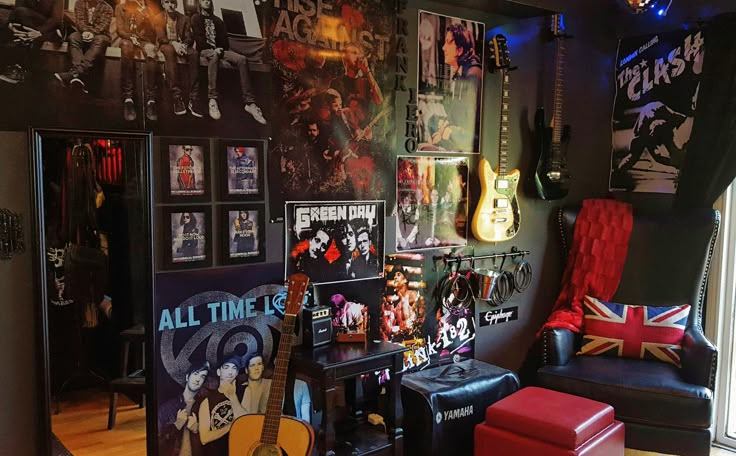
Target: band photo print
[
  {"x": 241, "y": 169},
  {"x": 242, "y": 233},
  {"x": 432, "y": 198},
  {"x": 188, "y": 237},
  {"x": 450, "y": 83},
  {"x": 657, "y": 84},
  {"x": 335, "y": 241}
]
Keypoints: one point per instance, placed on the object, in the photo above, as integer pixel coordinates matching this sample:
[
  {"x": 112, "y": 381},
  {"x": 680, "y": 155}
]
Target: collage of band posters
[
  {"x": 412, "y": 318},
  {"x": 336, "y": 241},
  {"x": 333, "y": 120},
  {"x": 657, "y": 82},
  {"x": 449, "y": 83},
  {"x": 432, "y": 198},
  {"x": 215, "y": 332}
]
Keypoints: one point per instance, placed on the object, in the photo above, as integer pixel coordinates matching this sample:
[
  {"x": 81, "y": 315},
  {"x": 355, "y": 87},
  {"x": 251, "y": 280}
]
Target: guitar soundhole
[{"x": 265, "y": 449}]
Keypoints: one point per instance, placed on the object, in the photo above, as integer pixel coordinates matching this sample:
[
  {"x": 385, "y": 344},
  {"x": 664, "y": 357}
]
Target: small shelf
[
  {"x": 509, "y": 8},
  {"x": 365, "y": 439}
]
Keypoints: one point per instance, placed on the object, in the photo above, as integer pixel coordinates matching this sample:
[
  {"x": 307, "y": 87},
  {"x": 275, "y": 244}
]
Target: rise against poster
[
  {"x": 333, "y": 100},
  {"x": 335, "y": 241},
  {"x": 657, "y": 82}
]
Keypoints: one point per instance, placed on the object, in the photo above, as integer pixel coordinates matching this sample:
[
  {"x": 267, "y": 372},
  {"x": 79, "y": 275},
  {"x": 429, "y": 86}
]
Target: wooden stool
[{"x": 129, "y": 383}]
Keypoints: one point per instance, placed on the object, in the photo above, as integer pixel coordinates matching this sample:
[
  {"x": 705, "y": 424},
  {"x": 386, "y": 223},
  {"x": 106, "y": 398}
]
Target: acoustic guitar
[
  {"x": 273, "y": 434},
  {"x": 497, "y": 216},
  {"x": 551, "y": 176}
]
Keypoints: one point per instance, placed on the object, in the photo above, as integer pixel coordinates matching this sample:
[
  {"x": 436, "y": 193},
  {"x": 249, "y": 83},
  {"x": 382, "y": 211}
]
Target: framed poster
[
  {"x": 185, "y": 170},
  {"x": 242, "y": 233},
  {"x": 335, "y": 241},
  {"x": 449, "y": 83},
  {"x": 432, "y": 197},
  {"x": 187, "y": 236},
  {"x": 240, "y": 168}
]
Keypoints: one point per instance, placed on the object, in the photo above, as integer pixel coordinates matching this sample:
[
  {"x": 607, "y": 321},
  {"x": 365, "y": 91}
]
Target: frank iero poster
[
  {"x": 217, "y": 333},
  {"x": 657, "y": 82},
  {"x": 333, "y": 121}
]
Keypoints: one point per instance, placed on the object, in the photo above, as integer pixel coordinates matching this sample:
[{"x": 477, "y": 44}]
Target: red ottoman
[{"x": 542, "y": 422}]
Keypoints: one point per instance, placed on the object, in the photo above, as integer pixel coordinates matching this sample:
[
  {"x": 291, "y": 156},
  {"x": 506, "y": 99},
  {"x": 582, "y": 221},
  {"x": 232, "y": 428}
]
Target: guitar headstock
[
  {"x": 297, "y": 285},
  {"x": 500, "y": 51},
  {"x": 558, "y": 26}
]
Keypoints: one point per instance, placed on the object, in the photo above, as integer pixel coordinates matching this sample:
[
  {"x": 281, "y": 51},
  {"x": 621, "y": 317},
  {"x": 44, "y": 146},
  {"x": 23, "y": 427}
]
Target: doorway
[{"x": 93, "y": 225}]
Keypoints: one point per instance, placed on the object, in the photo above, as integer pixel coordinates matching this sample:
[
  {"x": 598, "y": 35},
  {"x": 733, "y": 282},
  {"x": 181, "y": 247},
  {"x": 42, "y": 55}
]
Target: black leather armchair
[{"x": 666, "y": 409}]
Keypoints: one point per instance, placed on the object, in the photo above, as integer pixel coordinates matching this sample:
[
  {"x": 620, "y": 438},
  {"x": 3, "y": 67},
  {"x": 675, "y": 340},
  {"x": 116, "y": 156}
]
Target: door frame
[{"x": 36, "y": 136}]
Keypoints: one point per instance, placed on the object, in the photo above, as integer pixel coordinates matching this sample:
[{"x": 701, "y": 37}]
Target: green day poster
[
  {"x": 217, "y": 333},
  {"x": 412, "y": 318},
  {"x": 657, "y": 82},
  {"x": 333, "y": 109}
]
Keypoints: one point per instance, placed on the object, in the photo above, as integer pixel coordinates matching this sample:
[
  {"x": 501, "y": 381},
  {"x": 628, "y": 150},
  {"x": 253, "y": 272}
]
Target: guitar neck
[
  {"x": 271, "y": 423},
  {"x": 503, "y": 146},
  {"x": 559, "y": 92}
]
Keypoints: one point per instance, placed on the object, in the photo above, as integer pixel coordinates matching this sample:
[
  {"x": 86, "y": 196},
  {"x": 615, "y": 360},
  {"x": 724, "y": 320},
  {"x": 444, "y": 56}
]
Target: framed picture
[
  {"x": 187, "y": 236},
  {"x": 242, "y": 233},
  {"x": 240, "y": 167},
  {"x": 185, "y": 169}
]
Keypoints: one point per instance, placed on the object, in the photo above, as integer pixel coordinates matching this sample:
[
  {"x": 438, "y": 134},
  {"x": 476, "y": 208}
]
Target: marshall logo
[
  {"x": 322, "y": 331},
  {"x": 454, "y": 414}
]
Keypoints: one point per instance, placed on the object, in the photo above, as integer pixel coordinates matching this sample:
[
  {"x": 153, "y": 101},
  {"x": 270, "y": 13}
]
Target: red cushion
[
  {"x": 558, "y": 418},
  {"x": 628, "y": 331},
  {"x": 490, "y": 441}
]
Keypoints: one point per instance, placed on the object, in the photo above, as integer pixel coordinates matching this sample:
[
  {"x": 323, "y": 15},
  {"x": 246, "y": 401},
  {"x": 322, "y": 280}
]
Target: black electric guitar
[
  {"x": 497, "y": 216},
  {"x": 551, "y": 177},
  {"x": 273, "y": 434}
]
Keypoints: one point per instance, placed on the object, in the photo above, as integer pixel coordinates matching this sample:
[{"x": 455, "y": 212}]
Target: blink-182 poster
[
  {"x": 216, "y": 338},
  {"x": 335, "y": 241},
  {"x": 432, "y": 196},
  {"x": 333, "y": 119},
  {"x": 413, "y": 319},
  {"x": 657, "y": 82}
]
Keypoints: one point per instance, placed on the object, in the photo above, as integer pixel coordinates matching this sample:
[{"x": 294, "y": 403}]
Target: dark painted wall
[{"x": 589, "y": 96}]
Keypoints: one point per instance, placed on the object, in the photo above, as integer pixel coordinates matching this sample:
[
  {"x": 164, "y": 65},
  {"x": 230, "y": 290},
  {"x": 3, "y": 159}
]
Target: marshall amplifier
[
  {"x": 317, "y": 326},
  {"x": 446, "y": 403}
]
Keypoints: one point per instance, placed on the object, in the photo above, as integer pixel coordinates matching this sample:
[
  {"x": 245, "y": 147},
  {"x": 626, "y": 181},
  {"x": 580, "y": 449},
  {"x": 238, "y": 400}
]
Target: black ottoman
[{"x": 443, "y": 404}]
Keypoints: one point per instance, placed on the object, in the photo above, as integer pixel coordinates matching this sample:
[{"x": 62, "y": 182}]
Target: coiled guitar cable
[{"x": 454, "y": 293}]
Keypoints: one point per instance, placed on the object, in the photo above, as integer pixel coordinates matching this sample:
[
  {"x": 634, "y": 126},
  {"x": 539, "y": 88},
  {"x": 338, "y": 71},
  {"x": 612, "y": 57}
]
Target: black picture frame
[
  {"x": 170, "y": 194},
  {"x": 203, "y": 214},
  {"x": 226, "y": 231},
  {"x": 226, "y": 167}
]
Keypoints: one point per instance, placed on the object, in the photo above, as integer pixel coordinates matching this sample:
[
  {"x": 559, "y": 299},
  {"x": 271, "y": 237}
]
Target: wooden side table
[{"x": 329, "y": 364}]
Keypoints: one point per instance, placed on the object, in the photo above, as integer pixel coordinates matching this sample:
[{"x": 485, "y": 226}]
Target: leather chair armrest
[
  {"x": 699, "y": 359},
  {"x": 558, "y": 346}
]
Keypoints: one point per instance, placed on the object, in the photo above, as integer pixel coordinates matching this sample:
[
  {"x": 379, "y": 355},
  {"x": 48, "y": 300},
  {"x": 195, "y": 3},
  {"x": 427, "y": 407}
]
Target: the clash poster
[
  {"x": 333, "y": 119},
  {"x": 432, "y": 198},
  {"x": 450, "y": 83},
  {"x": 335, "y": 241},
  {"x": 216, "y": 340},
  {"x": 410, "y": 317},
  {"x": 657, "y": 81}
]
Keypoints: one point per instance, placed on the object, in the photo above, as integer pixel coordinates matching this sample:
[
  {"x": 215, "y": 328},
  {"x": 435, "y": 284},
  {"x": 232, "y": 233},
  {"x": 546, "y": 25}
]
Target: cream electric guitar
[
  {"x": 497, "y": 216},
  {"x": 272, "y": 434}
]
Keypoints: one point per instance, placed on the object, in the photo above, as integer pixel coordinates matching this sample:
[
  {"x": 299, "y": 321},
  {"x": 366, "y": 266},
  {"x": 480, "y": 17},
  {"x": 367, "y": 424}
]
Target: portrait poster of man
[
  {"x": 242, "y": 170},
  {"x": 186, "y": 170},
  {"x": 244, "y": 241},
  {"x": 432, "y": 199},
  {"x": 188, "y": 237},
  {"x": 450, "y": 83},
  {"x": 216, "y": 339},
  {"x": 410, "y": 317},
  {"x": 657, "y": 82},
  {"x": 333, "y": 120},
  {"x": 335, "y": 241}
]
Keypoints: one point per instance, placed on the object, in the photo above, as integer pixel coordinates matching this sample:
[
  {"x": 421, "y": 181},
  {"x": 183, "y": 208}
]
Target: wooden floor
[{"x": 82, "y": 426}]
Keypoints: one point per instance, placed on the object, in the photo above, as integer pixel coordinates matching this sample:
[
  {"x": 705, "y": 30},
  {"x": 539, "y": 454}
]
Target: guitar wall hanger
[{"x": 11, "y": 234}]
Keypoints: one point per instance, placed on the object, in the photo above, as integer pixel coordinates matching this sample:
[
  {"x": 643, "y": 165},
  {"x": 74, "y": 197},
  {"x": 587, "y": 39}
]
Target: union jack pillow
[{"x": 628, "y": 331}]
